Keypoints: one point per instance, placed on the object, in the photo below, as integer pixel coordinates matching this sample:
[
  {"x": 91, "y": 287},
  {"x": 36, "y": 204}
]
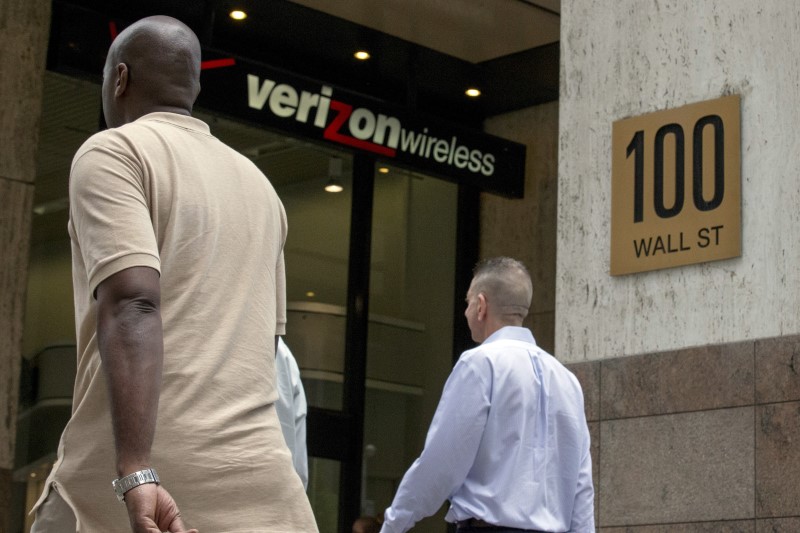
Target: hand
[{"x": 151, "y": 509}]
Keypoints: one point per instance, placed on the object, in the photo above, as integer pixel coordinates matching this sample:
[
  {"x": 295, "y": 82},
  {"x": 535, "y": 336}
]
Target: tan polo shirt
[{"x": 162, "y": 192}]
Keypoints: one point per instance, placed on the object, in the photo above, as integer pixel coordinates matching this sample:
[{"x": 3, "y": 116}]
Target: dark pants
[
  {"x": 479, "y": 526},
  {"x": 496, "y": 529}
]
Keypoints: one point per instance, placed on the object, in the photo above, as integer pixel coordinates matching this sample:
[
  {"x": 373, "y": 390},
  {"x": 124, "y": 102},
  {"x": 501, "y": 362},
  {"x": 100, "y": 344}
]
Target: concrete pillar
[{"x": 24, "y": 30}]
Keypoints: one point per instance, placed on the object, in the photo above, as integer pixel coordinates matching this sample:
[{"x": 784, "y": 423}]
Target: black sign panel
[
  {"x": 312, "y": 109},
  {"x": 319, "y": 111}
]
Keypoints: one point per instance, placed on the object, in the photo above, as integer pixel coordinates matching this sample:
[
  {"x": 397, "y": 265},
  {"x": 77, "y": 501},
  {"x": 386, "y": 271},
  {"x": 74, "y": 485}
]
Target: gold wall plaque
[{"x": 676, "y": 187}]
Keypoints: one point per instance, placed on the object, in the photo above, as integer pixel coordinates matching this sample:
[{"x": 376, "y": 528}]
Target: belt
[{"x": 477, "y": 523}]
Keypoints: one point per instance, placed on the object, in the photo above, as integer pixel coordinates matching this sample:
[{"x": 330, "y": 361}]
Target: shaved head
[{"x": 153, "y": 65}]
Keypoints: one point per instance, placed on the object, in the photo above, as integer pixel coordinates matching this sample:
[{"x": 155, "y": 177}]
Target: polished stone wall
[
  {"x": 696, "y": 440},
  {"x": 24, "y": 26}
]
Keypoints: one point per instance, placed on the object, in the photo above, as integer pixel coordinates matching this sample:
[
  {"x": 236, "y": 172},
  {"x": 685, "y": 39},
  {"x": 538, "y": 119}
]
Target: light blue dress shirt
[
  {"x": 292, "y": 408},
  {"x": 509, "y": 444}
]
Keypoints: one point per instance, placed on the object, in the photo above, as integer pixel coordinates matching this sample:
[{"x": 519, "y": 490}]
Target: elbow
[
  {"x": 130, "y": 309},
  {"x": 131, "y": 316},
  {"x": 131, "y": 292}
]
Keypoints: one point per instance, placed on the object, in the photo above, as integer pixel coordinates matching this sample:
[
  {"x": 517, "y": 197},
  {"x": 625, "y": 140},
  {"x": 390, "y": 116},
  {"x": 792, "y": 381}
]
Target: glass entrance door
[
  {"x": 371, "y": 289},
  {"x": 410, "y": 337}
]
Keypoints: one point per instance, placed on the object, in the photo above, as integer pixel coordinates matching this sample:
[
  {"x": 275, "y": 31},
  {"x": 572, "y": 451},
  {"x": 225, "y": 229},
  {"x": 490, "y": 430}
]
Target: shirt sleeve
[
  {"x": 450, "y": 449},
  {"x": 280, "y": 277},
  {"x": 583, "y": 509},
  {"x": 300, "y": 456},
  {"x": 280, "y": 295},
  {"x": 109, "y": 213}
]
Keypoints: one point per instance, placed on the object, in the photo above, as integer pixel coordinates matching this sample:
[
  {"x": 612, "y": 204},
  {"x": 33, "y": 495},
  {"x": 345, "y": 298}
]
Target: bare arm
[{"x": 131, "y": 346}]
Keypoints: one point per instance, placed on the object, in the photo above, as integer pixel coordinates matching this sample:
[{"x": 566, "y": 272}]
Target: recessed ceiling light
[
  {"x": 472, "y": 92},
  {"x": 238, "y": 14},
  {"x": 383, "y": 170},
  {"x": 362, "y": 55}
]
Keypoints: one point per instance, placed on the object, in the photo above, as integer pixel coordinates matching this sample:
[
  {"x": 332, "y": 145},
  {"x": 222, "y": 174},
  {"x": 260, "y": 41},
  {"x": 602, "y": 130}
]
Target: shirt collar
[
  {"x": 182, "y": 121},
  {"x": 511, "y": 333}
]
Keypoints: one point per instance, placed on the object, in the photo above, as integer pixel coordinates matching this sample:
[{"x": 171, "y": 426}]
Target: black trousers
[{"x": 469, "y": 526}]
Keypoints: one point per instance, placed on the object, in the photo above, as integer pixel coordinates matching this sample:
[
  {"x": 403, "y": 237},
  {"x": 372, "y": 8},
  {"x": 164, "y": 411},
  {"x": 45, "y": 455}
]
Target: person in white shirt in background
[
  {"x": 509, "y": 444},
  {"x": 292, "y": 408}
]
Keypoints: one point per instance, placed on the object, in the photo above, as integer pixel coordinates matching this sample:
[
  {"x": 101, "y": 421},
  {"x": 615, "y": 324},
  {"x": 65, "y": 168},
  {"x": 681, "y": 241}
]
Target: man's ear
[
  {"x": 482, "y": 306},
  {"x": 122, "y": 80}
]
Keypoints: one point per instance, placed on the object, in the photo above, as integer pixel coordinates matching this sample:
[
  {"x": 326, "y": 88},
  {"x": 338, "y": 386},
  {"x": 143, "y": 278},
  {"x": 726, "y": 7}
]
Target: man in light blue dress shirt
[{"x": 509, "y": 443}]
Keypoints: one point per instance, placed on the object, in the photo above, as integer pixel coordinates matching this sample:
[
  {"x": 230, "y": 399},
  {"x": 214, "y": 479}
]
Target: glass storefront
[{"x": 411, "y": 252}]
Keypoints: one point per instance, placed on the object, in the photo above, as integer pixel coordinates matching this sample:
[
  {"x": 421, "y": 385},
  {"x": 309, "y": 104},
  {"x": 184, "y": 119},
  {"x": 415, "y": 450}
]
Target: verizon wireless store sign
[
  {"x": 676, "y": 187},
  {"x": 312, "y": 109}
]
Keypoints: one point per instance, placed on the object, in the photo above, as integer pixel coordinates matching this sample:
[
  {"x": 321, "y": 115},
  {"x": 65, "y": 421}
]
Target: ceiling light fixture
[
  {"x": 383, "y": 170},
  {"x": 238, "y": 14},
  {"x": 472, "y": 92},
  {"x": 333, "y": 186},
  {"x": 334, "y": 175},
  {"x": 362, "y": 55}
]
